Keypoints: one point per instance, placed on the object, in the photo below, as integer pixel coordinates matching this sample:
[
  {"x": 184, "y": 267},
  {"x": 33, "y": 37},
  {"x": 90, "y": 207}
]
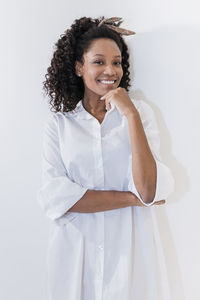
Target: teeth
[{"x": 104, "y": 81}]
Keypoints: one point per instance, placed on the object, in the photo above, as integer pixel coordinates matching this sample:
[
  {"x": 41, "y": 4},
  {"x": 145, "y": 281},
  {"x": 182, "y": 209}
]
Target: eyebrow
[{"x": 103, "y": 55}]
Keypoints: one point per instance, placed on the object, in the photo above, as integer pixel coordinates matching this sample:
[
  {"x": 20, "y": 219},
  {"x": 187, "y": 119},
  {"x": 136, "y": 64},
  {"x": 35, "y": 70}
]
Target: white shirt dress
[{"x": 108, "y": 255}]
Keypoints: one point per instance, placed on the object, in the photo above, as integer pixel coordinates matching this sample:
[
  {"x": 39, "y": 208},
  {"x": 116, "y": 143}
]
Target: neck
[{"x": 93, "y": 104}]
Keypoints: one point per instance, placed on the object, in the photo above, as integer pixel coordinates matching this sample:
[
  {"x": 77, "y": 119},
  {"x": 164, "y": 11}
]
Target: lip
[
  {"x": 108, "y": 79},
  {"x": 115, "y": 80}
]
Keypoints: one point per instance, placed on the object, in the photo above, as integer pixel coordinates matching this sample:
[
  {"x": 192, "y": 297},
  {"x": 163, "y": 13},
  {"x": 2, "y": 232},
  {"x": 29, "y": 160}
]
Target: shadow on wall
[
  {"x": 181, "y": 187},
  {"x": 179, "y": 172},
  {"x": 173, "y": 55}
]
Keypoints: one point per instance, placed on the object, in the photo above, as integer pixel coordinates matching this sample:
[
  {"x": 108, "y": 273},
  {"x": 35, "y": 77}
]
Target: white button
[{"x": 100, "y": 247}]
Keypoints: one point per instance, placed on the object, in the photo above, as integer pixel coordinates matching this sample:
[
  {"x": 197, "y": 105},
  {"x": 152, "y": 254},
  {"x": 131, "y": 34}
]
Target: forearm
[
  {"x": 143, "y": 163},
  {"x": 97, "y": 200}
]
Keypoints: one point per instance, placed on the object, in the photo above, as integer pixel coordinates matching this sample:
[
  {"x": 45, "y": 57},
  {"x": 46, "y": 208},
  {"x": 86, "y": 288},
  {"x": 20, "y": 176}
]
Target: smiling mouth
[{"x": 107, "y": 82}]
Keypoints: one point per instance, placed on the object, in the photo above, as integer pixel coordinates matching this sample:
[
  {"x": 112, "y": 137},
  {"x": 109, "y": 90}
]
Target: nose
[{"x": 110, "y": 70}]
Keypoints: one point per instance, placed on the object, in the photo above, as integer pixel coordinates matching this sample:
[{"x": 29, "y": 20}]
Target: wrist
[{"x": 130, "y": 198}]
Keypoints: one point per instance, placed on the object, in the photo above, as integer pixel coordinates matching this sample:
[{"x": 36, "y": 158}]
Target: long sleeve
[
  {"x": 58, "y": 192},
  {"x": 164, "y": 178}
]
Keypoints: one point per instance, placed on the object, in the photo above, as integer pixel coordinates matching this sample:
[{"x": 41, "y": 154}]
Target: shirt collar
[{"x": 81, "y": 113}]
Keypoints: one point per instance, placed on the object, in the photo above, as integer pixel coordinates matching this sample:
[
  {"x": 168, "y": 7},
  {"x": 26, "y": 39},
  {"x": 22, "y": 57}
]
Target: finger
[
  {"x": 105, "y": 96},
  {"x": 160, "y": 202},
  {"x": 108, "y": 106}
]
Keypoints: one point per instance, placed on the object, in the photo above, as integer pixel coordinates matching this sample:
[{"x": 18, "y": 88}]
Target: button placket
[
  {"x": 99, "y": 170},
  {"x": 99, "y": 256}
]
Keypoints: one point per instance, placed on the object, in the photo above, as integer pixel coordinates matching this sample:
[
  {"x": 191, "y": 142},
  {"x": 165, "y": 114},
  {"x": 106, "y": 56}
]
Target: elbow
[{"x": 148, "y": 194}]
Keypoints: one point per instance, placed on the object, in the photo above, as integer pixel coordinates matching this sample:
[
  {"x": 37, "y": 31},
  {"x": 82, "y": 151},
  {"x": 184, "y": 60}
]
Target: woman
[{"x": 102, "y": 172}]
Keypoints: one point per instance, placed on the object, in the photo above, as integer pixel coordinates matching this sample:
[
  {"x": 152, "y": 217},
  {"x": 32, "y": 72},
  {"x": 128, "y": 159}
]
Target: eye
[{"x": 97, "y": 61}]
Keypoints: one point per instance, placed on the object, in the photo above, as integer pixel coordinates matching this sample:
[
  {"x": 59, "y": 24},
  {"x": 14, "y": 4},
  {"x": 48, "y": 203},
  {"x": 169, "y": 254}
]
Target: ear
[{"x": 78, "y": 68}]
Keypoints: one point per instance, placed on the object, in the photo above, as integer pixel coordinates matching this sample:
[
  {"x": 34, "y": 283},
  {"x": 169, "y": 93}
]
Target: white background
[{"x": 165, "y": 68}]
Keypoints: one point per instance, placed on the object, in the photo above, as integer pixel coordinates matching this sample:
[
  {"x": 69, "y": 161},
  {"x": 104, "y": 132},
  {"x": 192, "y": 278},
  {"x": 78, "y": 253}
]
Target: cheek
[
  {"x": 121, "y": 72},
  {"x": 91, "y": 77}
]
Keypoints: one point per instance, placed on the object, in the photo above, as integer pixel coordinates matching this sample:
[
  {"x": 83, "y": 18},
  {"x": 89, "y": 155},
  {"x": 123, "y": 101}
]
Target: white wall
[{"x": 165, "y": 62}]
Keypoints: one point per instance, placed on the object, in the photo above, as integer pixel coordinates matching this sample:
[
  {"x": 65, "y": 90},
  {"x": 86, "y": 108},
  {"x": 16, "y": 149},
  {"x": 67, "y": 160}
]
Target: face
[{"x": 102, "y": 69}]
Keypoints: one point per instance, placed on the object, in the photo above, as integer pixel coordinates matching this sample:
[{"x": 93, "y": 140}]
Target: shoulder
[
  {"x": 142, "y": 106},
  {"x": 145, "y": 110},
  {"x": 52, "y": 123},
  {"x": 55, "y": 118},
  {"x": 51, "y": 120}
]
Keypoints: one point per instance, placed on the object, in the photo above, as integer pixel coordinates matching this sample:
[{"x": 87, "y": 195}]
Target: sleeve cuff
[
  {"x": 58, "y": 196},
  {"x": 164, "y": 184}
]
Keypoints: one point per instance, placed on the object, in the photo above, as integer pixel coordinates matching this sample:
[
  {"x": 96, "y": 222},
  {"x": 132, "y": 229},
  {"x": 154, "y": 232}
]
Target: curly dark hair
[{"x": 62, "y": 85}]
